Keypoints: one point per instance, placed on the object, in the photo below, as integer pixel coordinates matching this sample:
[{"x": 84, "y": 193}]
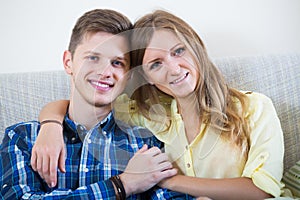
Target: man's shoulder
[
  {"x": 24, "y": 130},
  {"x": 28, "y": 126}
]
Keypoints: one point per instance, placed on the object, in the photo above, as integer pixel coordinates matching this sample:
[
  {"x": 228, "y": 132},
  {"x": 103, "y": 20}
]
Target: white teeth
[
  {"x": 180, "y": 79},
  {"x": 100, "y": 84}
]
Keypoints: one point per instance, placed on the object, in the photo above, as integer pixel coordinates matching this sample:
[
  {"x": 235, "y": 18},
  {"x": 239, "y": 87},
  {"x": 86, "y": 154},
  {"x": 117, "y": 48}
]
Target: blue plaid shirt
[{"x": 92, "y": 158}]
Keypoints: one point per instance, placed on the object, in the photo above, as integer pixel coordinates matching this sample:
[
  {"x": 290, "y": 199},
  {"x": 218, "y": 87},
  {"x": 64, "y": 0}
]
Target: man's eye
[
  {"x": 117, "y": 63},
  {"x": 179, "y": 51},
  {"x": 93, "y": 58}
]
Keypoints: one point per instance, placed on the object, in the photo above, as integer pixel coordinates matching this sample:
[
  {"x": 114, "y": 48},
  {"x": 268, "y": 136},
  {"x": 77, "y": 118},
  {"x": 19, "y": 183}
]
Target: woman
[{"x": 222, "y": 140}]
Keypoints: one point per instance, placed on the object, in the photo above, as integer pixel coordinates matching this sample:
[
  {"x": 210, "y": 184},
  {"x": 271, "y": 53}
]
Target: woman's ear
[{"x": 67, "y": 61}]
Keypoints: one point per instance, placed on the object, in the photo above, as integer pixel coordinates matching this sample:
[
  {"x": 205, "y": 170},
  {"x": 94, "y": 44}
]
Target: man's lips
[
  {"x": 180, "y": 78},
  {"x": 101, "y": 85}
]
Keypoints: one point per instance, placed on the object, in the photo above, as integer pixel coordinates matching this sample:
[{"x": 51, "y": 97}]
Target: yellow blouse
[{"x": 208, "y": 155}]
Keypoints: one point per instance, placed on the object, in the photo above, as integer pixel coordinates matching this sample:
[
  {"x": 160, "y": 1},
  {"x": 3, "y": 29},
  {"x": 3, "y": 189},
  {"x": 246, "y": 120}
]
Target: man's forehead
[
  {"x": 106, "y": 37},
  {"x": 106, "y": 42}
]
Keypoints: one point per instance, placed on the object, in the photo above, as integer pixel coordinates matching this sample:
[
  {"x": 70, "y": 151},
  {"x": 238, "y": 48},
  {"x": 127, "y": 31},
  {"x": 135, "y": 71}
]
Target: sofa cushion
[{"x": 291, "y": 179}]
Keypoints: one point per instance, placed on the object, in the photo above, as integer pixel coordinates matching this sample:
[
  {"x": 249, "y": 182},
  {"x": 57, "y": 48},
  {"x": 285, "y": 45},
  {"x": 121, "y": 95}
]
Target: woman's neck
[{"x": 191, "y": 116}]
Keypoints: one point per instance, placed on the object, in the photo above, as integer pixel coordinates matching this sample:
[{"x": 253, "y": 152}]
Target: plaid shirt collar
[{"x": 75, "y": 132}]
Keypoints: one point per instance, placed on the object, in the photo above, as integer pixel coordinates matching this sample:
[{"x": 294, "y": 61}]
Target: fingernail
[{"x": 52, "y": 184}]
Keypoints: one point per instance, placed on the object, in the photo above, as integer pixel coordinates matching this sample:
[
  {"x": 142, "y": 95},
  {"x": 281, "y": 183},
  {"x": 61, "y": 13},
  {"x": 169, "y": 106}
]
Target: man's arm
[
  {"x": 18, "y": 179},
  {"x": 157, "y": 193},
  {"x": 144, "y": 170}
]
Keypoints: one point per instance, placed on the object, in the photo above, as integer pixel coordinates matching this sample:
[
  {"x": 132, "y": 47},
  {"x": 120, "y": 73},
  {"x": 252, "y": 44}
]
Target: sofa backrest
[
  {"x": 278, "y": 77},
  {"x": 22, "y": 95}
]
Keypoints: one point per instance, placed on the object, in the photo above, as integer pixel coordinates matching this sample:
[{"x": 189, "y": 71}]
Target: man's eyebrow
[
  {"x": 122, "y": 58},
  {"x": 92, "y": 52}
]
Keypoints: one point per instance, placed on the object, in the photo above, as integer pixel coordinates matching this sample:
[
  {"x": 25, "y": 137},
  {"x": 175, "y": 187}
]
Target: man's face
[{"x": 98, "y": 68}]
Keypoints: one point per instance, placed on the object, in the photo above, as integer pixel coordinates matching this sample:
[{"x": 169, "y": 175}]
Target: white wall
[{"x": 34, "y": 33}]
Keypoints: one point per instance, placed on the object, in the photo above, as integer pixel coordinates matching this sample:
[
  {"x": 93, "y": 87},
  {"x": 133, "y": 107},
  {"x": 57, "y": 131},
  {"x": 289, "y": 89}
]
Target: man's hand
[
  {"x": 145, "y": 169},
  {"x": 48, "y": 152}
]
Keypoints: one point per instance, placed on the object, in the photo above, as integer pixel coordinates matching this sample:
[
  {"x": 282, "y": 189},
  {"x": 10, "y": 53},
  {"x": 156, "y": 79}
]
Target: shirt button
[
  {"x": 187, "y": 147},
  {"x": 85, "y": 169},
  {"x": 4, "y": 186},
  {"x": 89, "y": 141},
  {"x": 262, "y": 157},
  {"x": 104, "y": 132},
  {"x": 188, "y": 165},
  {"x": 80, "y": 127},
  {"x": 73, "y": 139}
]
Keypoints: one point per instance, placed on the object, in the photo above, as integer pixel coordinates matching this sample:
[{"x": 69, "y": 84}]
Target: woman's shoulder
[
  {"x": 126, "y": 110},
  {"x": 258, "y": 104},
  {"x": 257, "y": 99},
  {"x": 256, "y": 96}
]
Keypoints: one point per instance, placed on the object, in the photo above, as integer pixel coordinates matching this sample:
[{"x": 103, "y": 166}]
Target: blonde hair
[{"x": 217, "y": 101}]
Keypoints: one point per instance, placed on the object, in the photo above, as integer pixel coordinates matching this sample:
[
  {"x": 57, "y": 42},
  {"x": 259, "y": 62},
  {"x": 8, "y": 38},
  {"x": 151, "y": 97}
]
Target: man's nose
[{"x": 105, "y": 68}]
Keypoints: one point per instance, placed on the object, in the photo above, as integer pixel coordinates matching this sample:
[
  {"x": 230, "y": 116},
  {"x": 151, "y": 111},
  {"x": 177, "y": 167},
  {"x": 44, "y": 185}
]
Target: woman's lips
[{"x": 179, "y": 79}]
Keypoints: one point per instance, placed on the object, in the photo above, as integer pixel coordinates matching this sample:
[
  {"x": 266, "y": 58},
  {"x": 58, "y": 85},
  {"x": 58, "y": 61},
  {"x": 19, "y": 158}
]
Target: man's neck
[{"x": 87, "y": 114}]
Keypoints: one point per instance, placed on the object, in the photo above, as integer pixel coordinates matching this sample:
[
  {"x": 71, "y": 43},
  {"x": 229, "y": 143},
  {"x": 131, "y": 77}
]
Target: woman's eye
[
  {"x": 155, "y": 65},
  {"x": 179, "y": 51}
]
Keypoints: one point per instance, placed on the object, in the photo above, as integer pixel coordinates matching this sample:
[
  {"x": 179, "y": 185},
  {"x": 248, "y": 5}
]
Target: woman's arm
[
  {"x": 55, "y": 110},
  {"x": 48, "y": 152},
  {"x": 229, "y": 188}
]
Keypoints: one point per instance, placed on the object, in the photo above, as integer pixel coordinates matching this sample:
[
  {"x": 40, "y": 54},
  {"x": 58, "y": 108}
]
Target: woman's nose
[{"x": 173, "y": 66}]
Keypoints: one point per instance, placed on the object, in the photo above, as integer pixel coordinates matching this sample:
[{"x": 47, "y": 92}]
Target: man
[{"x": 98, "y": 148}]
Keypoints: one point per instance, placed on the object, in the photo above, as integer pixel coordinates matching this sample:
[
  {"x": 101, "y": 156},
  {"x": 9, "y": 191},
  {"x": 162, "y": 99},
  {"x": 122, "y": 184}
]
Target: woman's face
[{"x": 169, "y": 65}]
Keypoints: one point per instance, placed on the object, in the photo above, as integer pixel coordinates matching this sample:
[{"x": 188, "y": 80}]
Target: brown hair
[
  {"x": 99, "y": 20},
  {"x": 217, "y": 101}
]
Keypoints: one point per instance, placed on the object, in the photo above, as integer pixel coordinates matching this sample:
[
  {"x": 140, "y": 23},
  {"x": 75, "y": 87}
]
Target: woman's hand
[
  {"x": 48, "y": 153},
  {"x": 145, "y": 169}
]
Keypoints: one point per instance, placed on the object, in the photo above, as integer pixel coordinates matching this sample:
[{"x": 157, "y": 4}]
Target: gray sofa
[{"x": 278, "y": 76}]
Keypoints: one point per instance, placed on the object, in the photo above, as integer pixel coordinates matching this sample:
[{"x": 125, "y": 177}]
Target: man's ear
[{"x": 67, "y": 61}]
